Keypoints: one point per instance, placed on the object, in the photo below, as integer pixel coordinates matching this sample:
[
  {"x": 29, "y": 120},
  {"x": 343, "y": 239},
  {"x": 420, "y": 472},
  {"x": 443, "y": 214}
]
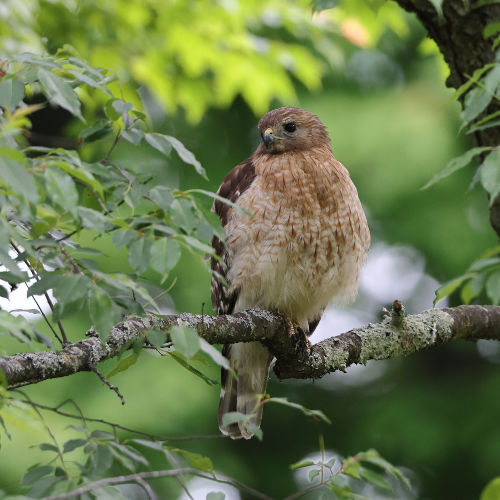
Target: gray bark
[{"x": 396, "y": 335}]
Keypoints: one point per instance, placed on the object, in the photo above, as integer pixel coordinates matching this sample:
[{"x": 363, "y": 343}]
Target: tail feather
[{"x": 243, "y": 394}]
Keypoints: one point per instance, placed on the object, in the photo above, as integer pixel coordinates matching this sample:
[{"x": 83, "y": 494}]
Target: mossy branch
[{"x": 396, "y": 335}]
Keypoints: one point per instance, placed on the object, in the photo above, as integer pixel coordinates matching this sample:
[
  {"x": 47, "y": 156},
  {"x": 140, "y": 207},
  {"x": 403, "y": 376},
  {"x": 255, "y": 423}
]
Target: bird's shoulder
[{"x": 236, "y": 182}]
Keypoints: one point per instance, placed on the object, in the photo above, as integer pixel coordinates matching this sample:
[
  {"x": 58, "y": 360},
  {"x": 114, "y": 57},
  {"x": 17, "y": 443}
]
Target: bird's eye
[{"x": 290, "y": 127}]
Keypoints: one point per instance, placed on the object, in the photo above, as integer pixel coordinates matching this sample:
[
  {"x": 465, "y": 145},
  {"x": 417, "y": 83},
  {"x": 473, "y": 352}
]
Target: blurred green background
[{"x": 205, "y": 72}]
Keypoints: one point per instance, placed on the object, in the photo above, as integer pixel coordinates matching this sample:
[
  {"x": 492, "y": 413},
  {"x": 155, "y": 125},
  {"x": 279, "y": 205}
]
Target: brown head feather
[{"x": 309, "y": 131}]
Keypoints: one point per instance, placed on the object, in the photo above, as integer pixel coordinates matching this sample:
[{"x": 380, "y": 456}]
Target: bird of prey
[{"x": 296, "y": 244}]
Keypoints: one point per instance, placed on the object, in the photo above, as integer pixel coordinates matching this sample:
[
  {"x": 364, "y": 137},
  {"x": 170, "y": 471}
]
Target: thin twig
[
  {"x": 94, "y": 368},
  {"x": 147, "y": 488},
  {"x": 34, "y": 274},
  {"x": 153, "y": 437},
  {"x": 184, "y": 487},
  {"x": 113, "y": 146}
]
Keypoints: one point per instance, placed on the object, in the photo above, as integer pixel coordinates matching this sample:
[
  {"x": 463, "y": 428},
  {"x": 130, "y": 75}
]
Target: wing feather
[{"x": 232, "y": 187}]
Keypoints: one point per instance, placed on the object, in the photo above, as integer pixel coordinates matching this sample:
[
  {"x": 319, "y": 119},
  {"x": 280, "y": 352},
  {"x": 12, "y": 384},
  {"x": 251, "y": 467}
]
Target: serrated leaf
[
  {"x": 123, "y": 237},
  {"x": 183, "y": 215},
  {"x": 11, "y": 93},
  {"x": 60, "y": 92},
  {"x": 61, "y": 188},
  {"x": 186, "y": 341},
  {"x": 478, "y": 98},
  {"x": 456, "y": 164},
  {"x": 489, "y": 173}
]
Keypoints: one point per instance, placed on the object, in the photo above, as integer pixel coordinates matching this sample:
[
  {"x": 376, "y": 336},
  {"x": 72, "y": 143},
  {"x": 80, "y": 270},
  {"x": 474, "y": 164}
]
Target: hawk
[{"x": 296, "y": 244}]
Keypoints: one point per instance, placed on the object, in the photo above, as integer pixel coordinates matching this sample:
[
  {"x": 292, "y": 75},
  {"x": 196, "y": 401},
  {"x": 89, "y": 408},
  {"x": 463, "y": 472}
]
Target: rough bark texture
[
  {"x": 394, "y": 336},
  {"x": 458, "y": 33}
]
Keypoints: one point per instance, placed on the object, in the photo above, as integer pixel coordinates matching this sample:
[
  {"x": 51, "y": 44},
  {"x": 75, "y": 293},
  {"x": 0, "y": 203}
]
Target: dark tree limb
[
  {"x": 397, "y": 335},
  {"x": 458, "y": 33}
]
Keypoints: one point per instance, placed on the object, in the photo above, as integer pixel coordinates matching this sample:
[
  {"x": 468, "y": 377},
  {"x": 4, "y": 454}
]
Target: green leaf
[
  {"x": 156, "y": 338},
  {"x": 72, "y": 444},
  {"x": 477, "y": 99},
  {"x": 197, "y": 461},
  {"x": 186, "y": 340},
  {"x": 92, "y": 219},
  {"x": 216, "y": 356},
  {"x": 491, "y": 29},
  {"x": 139, "y": 255},
  {"x": 456, "y": 164},
  {"x": 36, "y": 473},
  {"x": 316, "y": 414},
  {"x": 101, "y": 128},
  {"x": 165, "y": 253},
  {"x": 61, "y": 189},
  {"x": 489, "y": 173},
  {"x": 450, "y": 286},
  {"x": 15, "y": 176},
  {"x": 478, "y": 73},
  {"x": 313, "y": 474},
  {"x": 300, "y": 465},
  {"x": 123, "y": 237},
  {"x": 162, "y": 196},
  {"x": 186, "y": 156},
  {"x": 11, "y": 93},
  {"x": 159, "y": 142},
  {"x": 493, "y": 287},
  {"x": 59, "y": 92},
  {"x": 375, "y": 479},
  {"x": 101, "y": 313},
  {"x": 492, "y": 490},
  {"x": 47, "y": 447},
  {"x": 232, "y": 417},
  {"x": 133, "y": 135},
  {"x": 124, "y": 363},
  {"x": 183, "y": 215},
  {"x": 216, "y": 495}
]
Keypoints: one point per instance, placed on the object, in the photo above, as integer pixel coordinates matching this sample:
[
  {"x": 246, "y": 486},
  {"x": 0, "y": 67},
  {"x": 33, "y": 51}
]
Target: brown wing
[{"x": 232, "y": 187}]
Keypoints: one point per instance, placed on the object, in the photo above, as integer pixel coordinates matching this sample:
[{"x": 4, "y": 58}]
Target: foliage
[{"x": 56, "y": 206}]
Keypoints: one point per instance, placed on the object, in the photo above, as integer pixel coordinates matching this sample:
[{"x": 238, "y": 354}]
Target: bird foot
[{"x": 298, "y": 337}]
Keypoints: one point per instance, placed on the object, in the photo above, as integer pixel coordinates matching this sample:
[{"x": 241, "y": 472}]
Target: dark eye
[{"x": 290, "y": 127}]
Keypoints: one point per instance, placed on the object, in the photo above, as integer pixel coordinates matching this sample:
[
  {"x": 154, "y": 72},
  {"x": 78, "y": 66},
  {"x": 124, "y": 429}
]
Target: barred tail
[{"x": 250, "y": 361}]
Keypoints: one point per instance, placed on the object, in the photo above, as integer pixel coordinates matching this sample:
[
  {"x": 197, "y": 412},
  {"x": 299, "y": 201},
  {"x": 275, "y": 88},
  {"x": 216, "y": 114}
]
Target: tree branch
[
  {"x": 458, "y": 33},
  {"x": 396, "y": 335}
]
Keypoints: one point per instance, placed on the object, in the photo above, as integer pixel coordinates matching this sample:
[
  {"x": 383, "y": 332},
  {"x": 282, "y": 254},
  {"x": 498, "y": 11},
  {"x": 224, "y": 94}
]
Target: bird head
[{"x": 289, "y": 129}]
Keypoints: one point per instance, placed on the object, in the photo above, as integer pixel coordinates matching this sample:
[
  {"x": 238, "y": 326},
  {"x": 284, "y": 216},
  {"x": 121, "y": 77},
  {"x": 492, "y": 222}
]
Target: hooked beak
[{"x": 268, "y": 136}]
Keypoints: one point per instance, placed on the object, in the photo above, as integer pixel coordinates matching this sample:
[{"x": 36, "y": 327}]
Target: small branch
[
  {"x": 375, "y": 341},
  {"x": 137, "y": 477},
  {"x": 107, "y": 382}
]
